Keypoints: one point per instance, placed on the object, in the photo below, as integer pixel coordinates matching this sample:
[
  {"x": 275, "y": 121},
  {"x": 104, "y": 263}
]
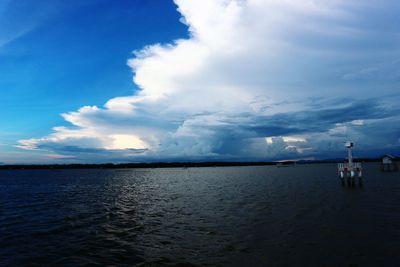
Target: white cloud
[
  {"x": 126, "y": 141},
  {"x": 249, "y": 71}
]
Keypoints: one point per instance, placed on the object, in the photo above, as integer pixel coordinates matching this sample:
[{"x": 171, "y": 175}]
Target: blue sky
[
  {"x": 121, "y": 81},
  {"x": 57, "y": 57}
]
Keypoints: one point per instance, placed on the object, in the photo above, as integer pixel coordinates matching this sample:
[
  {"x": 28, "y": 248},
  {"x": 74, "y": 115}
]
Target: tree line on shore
[{"x": 173, "y": 164}]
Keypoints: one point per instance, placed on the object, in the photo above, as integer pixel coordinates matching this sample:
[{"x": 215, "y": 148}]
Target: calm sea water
[{"x": 231, "y": 216}]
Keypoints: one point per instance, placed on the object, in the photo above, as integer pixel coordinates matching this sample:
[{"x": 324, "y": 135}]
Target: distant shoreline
[{"x": 170, "y": 164}]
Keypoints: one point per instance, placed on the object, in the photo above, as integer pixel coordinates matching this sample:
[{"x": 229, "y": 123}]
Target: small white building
[{"x": 389, "y": 163}]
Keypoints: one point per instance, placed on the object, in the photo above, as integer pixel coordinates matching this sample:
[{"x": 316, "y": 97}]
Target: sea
[{"x": 300, "y": 215}]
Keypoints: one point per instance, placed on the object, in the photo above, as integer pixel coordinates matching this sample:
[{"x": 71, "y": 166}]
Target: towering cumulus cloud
[{"x": 256, "y": 79}]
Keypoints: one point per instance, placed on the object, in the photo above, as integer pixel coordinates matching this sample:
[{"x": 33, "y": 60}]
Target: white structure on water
[
  {"x": 389, "y": 163},
  {"x": 350, "y": 169}
]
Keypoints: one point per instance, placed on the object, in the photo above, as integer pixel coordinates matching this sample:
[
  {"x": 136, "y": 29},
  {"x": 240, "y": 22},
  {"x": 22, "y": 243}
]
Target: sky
[{"x": 98, "y": 81}]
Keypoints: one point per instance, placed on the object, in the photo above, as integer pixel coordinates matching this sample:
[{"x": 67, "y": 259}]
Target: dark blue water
[{"x": 232, "y": 216}]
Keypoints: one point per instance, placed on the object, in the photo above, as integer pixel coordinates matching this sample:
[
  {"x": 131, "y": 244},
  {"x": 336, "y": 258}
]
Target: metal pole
[{"x": 350, "y": 157}]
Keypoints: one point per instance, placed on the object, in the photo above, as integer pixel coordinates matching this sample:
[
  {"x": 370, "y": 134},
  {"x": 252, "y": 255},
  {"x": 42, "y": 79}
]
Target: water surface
[{"x": 225, "y": 216}]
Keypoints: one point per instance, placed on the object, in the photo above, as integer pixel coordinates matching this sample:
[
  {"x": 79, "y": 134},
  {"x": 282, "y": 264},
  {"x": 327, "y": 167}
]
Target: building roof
[{"x": 390, "y": 156}]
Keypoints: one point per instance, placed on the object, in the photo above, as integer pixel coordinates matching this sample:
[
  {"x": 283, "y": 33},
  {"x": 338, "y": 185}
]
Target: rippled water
[{"x": 231, "y": 216}]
